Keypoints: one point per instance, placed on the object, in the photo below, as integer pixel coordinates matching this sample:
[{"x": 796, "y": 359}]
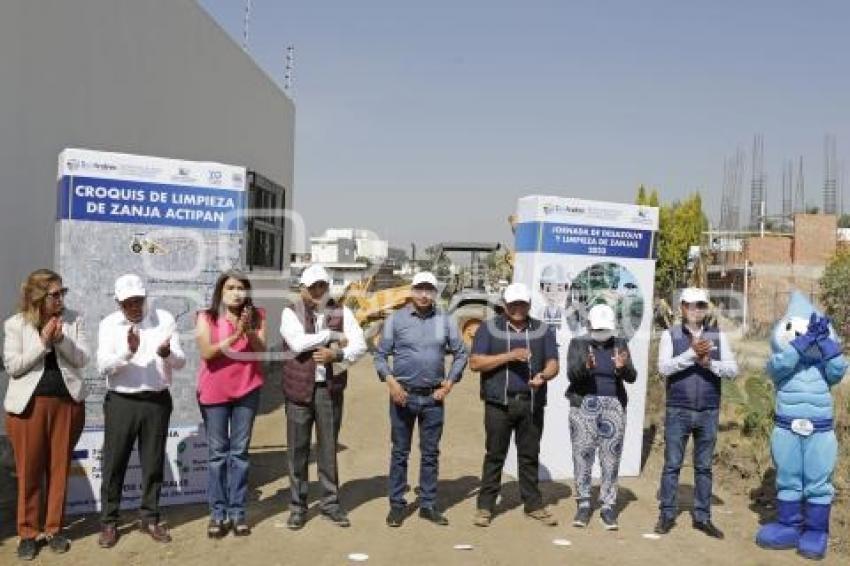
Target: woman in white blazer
[{"x": 44, "y": 351}]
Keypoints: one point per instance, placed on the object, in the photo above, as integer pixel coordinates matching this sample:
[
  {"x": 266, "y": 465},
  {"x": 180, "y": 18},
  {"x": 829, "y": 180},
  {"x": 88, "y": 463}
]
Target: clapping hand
[
  {"x": 520, "y": 355},
  {"x": 164, "y": 349},
  {"x": 620, "y": 357},
  {"x": 133, "y": 340},
  {"x": 702, "y": 348},
  {"x": 52, "y": 331},
  {"x": 591, "y": 358}
]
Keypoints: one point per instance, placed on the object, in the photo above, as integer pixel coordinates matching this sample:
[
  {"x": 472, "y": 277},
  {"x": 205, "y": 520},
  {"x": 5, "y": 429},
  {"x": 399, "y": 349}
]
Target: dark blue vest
[{"x": 696, "y": 387}]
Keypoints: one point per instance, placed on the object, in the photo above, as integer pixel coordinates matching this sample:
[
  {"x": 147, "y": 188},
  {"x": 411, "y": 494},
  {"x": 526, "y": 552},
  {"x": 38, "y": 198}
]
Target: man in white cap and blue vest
[{"x": 693, "y": 357}]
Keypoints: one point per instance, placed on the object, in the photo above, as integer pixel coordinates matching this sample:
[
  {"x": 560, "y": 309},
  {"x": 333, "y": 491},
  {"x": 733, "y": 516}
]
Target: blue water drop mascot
[{"x": 806, "y": 362}]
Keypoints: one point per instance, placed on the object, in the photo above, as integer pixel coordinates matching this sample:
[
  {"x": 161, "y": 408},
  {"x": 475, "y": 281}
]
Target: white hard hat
[
  {"x": 313, "y": 274},
  {"x": 129, "y": 285},
  {"x": 602, "y": 317},
  {"x": 693, "y": 295},
  {"x": 424, "y": 278},
  {"x": 517, "y": 292},
  {"x": 553, "y": 273}
]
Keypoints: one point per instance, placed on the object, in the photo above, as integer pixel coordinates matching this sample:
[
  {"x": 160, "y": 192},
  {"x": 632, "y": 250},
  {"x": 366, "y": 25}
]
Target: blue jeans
[
  {"x": 228, "y": 435},
  {"x": 679, "y": 424},
  {"x": 429, "y": 413}
]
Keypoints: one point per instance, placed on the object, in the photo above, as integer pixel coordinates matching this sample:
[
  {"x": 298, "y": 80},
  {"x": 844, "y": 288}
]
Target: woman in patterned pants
[{"x": 598, "y": 366}]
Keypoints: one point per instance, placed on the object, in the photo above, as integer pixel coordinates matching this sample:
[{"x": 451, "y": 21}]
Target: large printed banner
[
  {"x": 574, "y": 254},
  {"x": 184, "y": 480},
  {"x": 177, "y": 224}
]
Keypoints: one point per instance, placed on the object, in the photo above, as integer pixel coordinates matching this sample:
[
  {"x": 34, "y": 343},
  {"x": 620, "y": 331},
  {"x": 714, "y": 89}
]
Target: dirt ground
[{"x": 512, "y": 539}]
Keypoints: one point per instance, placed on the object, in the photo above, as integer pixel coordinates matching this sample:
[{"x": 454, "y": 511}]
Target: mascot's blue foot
[
  {"x": 815, "y": 537},
  {"x": 785, "y": 532}
]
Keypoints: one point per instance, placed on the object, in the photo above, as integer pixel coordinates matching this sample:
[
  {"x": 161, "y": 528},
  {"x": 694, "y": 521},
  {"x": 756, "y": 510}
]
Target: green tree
[
  {"x": 644, "y": 199},
  {"x": 834, "y": 290},
  {"x": 681, "y": 225},
  {"x": 653, "y": 198},
  {"x": 844, "y": 221}
]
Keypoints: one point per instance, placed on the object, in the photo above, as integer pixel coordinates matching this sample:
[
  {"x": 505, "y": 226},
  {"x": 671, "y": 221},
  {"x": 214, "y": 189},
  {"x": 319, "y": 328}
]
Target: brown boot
[
  {"x": 108, "y": 536},
  {"x": 157, "y": 531}
]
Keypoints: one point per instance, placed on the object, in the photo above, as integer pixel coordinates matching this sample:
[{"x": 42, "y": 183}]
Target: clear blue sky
[{"x": 426, "y": 120}]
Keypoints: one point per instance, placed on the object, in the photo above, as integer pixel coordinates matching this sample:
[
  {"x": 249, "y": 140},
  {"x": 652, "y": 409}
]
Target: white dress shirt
[
  {"x": 299, "y": 341},
  {"x": 145, "y": 370},
  {"x": 668, "y": 364}
]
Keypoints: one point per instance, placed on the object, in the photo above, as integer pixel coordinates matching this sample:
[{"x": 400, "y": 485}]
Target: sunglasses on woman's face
[
  {"x": 60, "y": 294},
  {"x": 700, "y": 305}
]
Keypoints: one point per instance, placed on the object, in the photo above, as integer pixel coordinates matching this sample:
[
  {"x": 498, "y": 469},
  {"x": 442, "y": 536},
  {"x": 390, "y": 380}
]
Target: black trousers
[
  {"x": 128, "y": 418},
  {"x": 527, "y": 426}
]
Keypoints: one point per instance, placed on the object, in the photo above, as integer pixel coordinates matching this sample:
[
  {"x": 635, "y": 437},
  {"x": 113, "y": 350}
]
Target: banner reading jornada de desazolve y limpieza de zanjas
[{"x": 575, "y": 254}]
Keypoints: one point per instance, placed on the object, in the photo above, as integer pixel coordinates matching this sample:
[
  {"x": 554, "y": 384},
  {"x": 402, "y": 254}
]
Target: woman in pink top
[{"x": 231, "y": 338}]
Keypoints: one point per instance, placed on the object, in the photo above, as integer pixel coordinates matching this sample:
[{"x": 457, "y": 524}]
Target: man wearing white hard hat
[
  {"x": 516, "y": 355},
  {"x": 320, "y": 339},
  {"x": 693, "y": 357},
  {"x": 599, "y": 366},
  {"x": 418, "y": 337},
  {"x": 138, "y": 349}
]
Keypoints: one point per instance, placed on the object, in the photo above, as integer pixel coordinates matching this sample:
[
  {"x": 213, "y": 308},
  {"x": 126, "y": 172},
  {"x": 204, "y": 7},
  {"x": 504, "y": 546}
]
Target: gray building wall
[{"x": 151, "y": 77}]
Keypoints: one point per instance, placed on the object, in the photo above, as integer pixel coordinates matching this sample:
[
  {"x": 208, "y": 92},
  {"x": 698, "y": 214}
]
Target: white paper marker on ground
[
  {"x": 463, "y": 547},
  {"x": 561, "y": 542},
  {"x": 358, "y": 557},
  {"x": 651, "y": 536}
]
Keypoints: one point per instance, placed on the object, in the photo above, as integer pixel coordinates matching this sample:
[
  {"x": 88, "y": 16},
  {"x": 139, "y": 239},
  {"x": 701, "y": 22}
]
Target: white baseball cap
[
  {"x": 424, "y": 278},
  {"x": 129, "y": 285},
  {"x": 314, "y": 274},
  {"x": 516, "y": 293},
  {"x": 602, "y": 317},
  {"x": 693, "y": 295}
]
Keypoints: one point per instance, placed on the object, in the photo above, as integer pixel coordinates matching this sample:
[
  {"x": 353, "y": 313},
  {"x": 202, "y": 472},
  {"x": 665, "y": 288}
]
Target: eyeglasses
[
  {"x": 700, "y": 305},
  {"x": 60, "y": 294}
]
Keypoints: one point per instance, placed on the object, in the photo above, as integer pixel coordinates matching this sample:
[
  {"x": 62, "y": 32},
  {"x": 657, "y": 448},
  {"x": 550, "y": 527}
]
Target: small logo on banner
[{"x": 184, "y": 175}]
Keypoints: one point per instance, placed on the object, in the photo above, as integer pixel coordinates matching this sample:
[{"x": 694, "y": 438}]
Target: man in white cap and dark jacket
[
  {"x": 516, "y": 355},
  {"x": 320, "y": 339},
  {"x": 138, "y": 348},
  {"x": 693, "y": 357}
]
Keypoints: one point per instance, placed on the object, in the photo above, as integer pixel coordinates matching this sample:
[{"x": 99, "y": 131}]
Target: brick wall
[{"x": 815, "y": 238}]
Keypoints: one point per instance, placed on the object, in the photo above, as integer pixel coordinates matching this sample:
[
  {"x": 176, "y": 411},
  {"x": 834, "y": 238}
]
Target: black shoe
[
  {"x": 337, "y": 517},
  {"x": 609, "y": 519},
  {"x": 664, "y": 524},
  {"x": 59, "y": 544},
  {"x": 296, "y": 520},
  {"x": 395, "y": 517},
  {"x": 217, "y": 529},
  {"x": 27, "y": 549},
  {"x": 708, "y": 528},
  {"x": 431, "y": 514},
  {"x": 582, "y": 517}
]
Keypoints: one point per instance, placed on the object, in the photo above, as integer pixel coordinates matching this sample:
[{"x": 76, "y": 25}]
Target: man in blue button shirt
[
  {"x": 417, "y": 337},
  {"x": 516, "y": 355}
]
